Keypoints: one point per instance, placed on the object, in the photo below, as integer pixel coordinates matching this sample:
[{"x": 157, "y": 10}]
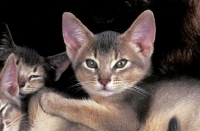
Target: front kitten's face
[
  {"x": 109, "y": 62},
  {"x": 109, "y": 65}
]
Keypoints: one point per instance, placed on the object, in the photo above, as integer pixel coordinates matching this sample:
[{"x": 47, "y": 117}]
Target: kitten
[
  {"x": 10, "y": 108},
  {"x": 12, "y": 118},
  {"x": 34, "y": 71},
  {"x": 107, "y": 65},
  {"x": 112, "y": 68}
]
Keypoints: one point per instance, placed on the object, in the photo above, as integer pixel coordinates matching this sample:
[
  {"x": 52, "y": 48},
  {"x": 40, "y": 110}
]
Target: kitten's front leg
[{"x": 87, "y": 112}]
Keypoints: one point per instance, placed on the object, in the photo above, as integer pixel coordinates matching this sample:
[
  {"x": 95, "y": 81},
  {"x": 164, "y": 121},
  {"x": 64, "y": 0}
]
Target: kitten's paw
[{"x": 48, "y": 102}]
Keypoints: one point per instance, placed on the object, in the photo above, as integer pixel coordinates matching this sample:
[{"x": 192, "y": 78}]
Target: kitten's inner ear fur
[
  {"x": 8, "y": 77},
  {"x": 75, "y": 34},
  {"x": 142, "y": 33}
]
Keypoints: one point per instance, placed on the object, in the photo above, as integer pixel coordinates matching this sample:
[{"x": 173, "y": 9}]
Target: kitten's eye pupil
[
  {"x": 91, "y": 63},
  {"x": 121, "y": 64}
]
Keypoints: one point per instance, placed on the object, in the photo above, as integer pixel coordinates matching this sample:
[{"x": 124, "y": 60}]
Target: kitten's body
[{"x": 109, "y": 66}]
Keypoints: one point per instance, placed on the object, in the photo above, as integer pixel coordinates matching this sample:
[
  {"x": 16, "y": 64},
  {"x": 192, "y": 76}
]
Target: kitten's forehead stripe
[
  {"x": 35, "y": 69},
  {"x": 116, "y": 55},
  {"x": 95, "y": 53},
  {"x": 17, "y": 62}
]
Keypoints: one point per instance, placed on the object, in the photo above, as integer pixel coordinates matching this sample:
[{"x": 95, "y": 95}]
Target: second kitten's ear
[
  {"x": 6, "y": 40},
  {"x": 75, "y": 34},
  {"x": 142, "y": 32},
  {"x": 9, "y": 78},
  {"x": 59, "y": 63}
]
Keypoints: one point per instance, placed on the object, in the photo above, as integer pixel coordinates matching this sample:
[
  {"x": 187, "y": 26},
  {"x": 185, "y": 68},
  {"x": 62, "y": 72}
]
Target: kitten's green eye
[
  {"x": 91, "y": 63},
  {"x": 120, "y": 64}
]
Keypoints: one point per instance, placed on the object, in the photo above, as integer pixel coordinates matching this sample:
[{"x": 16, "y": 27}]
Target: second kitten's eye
[
  {"x": 34, "y": 76},
  {"x": 120, "y": 64},
  {"x": 91, "y": 63},
  {"x": 3, "y": 107}
]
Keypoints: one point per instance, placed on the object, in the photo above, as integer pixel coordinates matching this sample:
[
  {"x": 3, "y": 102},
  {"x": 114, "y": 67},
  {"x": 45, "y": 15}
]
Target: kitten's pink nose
[{"x": 104, "y": 82}]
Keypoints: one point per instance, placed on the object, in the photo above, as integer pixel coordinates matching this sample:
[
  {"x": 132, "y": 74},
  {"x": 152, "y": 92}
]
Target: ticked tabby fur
[{"x": 112, "y": 68}]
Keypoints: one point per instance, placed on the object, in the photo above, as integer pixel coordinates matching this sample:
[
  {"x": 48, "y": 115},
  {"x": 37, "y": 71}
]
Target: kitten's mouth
[{"x": 105, "y": 92}]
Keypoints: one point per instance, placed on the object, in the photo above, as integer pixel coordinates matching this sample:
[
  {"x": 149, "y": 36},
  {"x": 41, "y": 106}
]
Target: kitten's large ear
[
  {"x": 142, "y": 33},
  {"x": 6, "y": 40},
  {"x": 75, "y": 34},
  {"x": 59, "y": 63},
  {"x": 8, "y": 77}
]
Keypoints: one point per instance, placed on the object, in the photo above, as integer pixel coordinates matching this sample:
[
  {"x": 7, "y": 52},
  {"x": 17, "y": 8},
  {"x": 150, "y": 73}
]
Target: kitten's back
[{"x": 174, "y": 98}]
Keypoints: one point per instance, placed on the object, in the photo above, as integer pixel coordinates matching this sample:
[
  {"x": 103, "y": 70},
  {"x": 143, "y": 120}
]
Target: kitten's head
[
  {"x": 31, "y": 71},
  {"x": 34, "y": 71},
  {"x": 109, "y": 62},
  {"x": 10, "y": 109}
]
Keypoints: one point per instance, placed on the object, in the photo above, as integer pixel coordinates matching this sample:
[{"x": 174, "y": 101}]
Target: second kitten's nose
[{"x": 21, "y": 83}]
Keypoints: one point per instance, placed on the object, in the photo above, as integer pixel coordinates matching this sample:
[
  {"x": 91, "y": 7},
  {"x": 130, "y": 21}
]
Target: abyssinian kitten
[
  {"x": 11, "y": 114},
  {"x": 112, "y": 68},
  {"x": 107, "y": 65},
  {"x": 10, "y": 107},
  {"x": 34, "y": 71}
]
